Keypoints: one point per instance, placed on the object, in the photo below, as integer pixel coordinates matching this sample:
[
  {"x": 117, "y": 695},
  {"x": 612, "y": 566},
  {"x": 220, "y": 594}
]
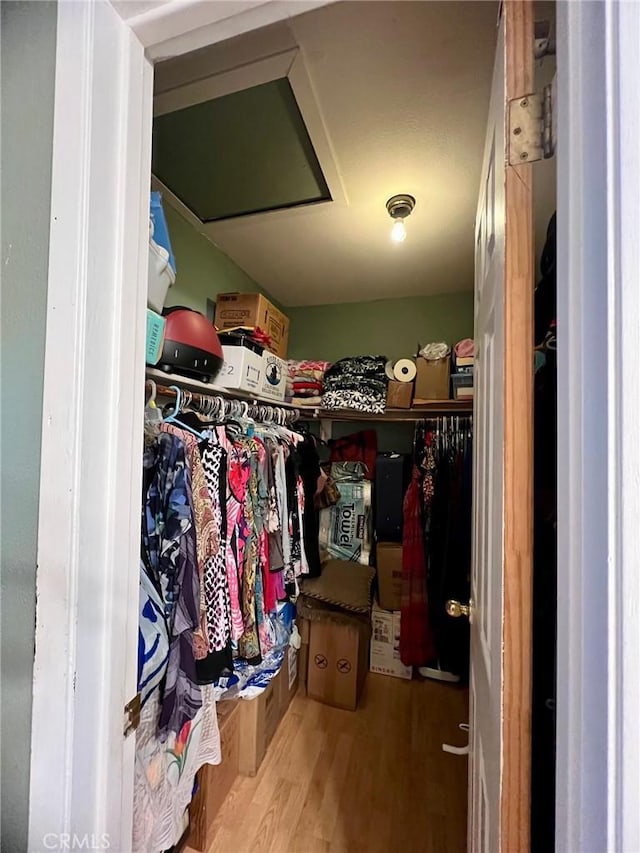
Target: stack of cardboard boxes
[
  {"x": 245, "y": 368},
  {"x": 247, "y": 727},
  {"x": 334, "y": 620},
  {"x": 385, "y": 617},
  {"x": 462, "y": 377}
]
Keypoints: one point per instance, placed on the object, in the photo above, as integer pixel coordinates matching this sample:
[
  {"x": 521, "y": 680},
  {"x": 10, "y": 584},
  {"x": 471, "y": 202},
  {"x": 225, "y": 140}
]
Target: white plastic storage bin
[{"x": 161, "y": 275}]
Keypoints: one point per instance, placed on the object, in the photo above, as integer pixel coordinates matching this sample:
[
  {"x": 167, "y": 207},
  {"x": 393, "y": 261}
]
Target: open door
[{"x": 501, "y": 583}]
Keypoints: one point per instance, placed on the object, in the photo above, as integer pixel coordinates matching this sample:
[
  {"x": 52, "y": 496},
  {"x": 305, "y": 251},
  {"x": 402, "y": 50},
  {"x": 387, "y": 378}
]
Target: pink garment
[
  {"x": 256, "y": 509},
  {"x": 304, "y": 564},
  {"x": 281, "y": 592},
  {"x": 465, "y": 348},
  {"x": 268, "y": 579},
  {"x": 238, "y": 471}
]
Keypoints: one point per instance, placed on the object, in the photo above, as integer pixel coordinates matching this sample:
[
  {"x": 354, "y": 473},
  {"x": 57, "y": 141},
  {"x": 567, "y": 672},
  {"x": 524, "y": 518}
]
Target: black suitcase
[{"x": 392, "y": 478}]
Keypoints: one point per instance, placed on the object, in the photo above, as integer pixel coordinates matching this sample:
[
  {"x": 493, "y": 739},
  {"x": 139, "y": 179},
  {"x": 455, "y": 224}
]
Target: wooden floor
[{"x": 371, "y": 781}]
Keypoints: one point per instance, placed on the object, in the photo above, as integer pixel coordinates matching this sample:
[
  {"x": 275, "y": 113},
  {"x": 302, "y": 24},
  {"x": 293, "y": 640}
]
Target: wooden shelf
[
  {"x": 416, "y": 413},
  {"x": 210, "y": 389},
  {"x": 420, "y": 409}
]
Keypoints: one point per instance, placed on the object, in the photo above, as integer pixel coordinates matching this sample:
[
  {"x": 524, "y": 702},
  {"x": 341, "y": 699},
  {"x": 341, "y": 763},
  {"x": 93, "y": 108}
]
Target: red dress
[{"x": 416, "y": 639}]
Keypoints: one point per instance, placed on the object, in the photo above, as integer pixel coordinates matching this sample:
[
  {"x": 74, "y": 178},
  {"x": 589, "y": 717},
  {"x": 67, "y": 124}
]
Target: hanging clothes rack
[
  {"x": 217, "y": 406},
  {"x": 441, "y": 507},
  {"x": 315, "y": 413}
]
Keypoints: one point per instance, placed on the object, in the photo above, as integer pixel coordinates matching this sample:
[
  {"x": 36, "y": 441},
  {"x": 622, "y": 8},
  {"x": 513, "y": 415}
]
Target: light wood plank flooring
[{"x": 371, "y": 781}]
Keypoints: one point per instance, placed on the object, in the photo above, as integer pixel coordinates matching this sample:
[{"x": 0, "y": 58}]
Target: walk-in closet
[{"x": 330, "y": 364}]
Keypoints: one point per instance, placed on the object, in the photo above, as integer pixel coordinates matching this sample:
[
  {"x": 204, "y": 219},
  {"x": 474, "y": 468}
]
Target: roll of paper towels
[
  {"x": 404, "y": 370},
  {"x": 388, "y": 369}
]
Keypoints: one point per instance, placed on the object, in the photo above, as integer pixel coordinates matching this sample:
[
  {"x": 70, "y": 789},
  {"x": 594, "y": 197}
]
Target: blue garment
[
  {"x": 169, "y": 586},
  {"x": 153, "y": 638}
]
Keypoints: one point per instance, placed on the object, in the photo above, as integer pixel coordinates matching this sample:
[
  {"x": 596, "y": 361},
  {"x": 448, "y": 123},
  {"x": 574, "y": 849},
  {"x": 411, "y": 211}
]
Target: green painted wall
[
  {"x": 390, "y": 327},
  {"x": 28, "y": 51},
  {"x": 203, "y": 270}
]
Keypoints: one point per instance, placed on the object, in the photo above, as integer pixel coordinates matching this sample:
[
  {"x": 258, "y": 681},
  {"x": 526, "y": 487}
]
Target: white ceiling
[{"x": 403, "y": 89}]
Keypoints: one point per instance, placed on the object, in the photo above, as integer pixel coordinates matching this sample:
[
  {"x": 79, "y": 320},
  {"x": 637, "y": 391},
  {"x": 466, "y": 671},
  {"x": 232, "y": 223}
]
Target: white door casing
[
  {"x": 598, "y": 704},
  {"x": 500, "y": 699},
  {"x": 89, "y": 527},
  {"x": 89, "y": 517}
]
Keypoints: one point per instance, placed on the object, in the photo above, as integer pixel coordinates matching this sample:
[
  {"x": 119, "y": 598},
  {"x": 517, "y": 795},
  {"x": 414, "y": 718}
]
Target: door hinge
[
  {"x": 532, "y": 132},
  {"x": 132, "y": 715}
]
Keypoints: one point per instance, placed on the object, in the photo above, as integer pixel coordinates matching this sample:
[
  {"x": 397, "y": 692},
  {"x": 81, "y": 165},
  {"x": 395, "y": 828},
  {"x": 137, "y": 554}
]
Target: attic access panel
[{"x": 243, "y": 153}]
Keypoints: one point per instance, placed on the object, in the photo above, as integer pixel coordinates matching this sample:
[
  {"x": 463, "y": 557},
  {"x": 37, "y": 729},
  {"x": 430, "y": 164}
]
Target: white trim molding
[
  {"x": 175, "y": 27},
  {"x": 89, "y": 528},
  {"x": 288, "y": 64},
  {"x": 623, "y": 279},
  {"x": 598, "y": 737}
]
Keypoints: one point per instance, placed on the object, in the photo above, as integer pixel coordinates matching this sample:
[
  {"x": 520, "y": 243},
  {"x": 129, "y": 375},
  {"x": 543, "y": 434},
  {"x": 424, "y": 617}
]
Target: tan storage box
[
  {"x": 399, "y": 394},
  {"x": 303, "y": 654},
  {"x": 338, "y": 660},
  {"x": 254, "y": 309},
  {"x": 289, "y": 679},
  {"x": 305, "y": 630},
  {"x": 215, "y": 781},
  {"x": 274, "y": 377},
  {"x": 432, "y": 379},
  {"x": 303, "y": 665},
  {"x": 389, "y": 569},
  {"x": 259, "y": 720}
]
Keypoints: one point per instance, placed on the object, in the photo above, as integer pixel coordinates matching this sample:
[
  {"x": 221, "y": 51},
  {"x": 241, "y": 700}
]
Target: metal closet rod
[{"x": 217, "y": 405}]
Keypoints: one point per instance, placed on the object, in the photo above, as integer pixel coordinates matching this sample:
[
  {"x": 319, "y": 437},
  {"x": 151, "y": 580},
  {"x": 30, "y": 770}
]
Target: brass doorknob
[{"x": 456, "y": 608}]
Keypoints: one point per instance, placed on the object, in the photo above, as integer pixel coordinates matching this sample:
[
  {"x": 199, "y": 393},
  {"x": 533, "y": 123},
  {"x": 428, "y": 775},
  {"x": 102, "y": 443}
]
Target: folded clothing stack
[
  {"x": 358, "y": 383},
  {"x": 304, "y": 382}
]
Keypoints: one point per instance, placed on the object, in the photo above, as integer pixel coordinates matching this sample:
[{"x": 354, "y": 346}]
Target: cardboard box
[
  {"x": 215, "y": 781},
  {"x": 274, "y": 377},
  {"x": 337, "y": 668},
  {"x": 432, "y": 379},
  {"x": 304, "y": 627},
  {"x": 464, "y": 363},
  {"x": 399, "y": 394},
  {"x": 385, "y": 644},
  {"x": 241, "y": 369},
  {"x": 289, "y": 681},
  {"x": 254, "y": 310},
  {"x": 462, "y": 385},
  {"x": 259, "y": 720},
  {"x": 303, "y": 665},
  {"x": 389, "y": 571}
]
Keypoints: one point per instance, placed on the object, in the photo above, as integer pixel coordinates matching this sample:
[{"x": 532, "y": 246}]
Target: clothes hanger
[
  {"x": 208, "y": 407},
  {"x": 152, "y": 414},
  {"x": 173, "y": 419}
]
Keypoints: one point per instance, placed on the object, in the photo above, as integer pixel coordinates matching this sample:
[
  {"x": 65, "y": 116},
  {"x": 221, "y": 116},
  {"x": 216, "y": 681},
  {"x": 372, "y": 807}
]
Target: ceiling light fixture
[{"x": 398, "y": 208}]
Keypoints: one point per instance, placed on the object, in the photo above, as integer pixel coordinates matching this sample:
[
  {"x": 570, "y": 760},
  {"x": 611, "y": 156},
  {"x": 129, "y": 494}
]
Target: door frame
[
  {"x": 598, "y": 695},
  {"x": 81, "y": 778}
]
